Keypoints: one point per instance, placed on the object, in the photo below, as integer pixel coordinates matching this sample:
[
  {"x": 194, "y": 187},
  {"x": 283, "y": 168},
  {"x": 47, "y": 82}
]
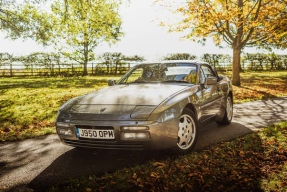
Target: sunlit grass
[
  {"x": 257, "y": 85},
  {"x": 28, "y": 107}
]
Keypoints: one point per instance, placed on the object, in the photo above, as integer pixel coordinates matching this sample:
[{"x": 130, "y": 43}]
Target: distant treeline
[
  {"x": 107, "y": 63},
  {"x": 257, "y": 61},
  {"x": 112, "y": 61},
  {"x": 47, "y": 59}
]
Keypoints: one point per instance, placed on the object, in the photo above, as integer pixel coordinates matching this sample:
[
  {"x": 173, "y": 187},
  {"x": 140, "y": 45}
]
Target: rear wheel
[
  {"x": 187, "y": 132},
  {"x": 228, "y": 112}
]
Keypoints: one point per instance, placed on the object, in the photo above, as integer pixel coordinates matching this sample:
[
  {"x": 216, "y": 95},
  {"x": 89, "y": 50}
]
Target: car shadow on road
[{"x": 75, "y": 163}]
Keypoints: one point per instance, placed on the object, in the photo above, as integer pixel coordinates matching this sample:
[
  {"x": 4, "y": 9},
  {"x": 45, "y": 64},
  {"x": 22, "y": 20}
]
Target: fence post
[
  {"x": 11, "y": 70},
  {"x": 92, "y": 68},
  {"x": 32, "y": 69}
]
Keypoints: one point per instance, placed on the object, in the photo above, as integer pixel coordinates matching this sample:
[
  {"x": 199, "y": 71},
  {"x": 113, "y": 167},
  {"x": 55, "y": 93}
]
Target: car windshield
[{"x": 161, "y": 73}]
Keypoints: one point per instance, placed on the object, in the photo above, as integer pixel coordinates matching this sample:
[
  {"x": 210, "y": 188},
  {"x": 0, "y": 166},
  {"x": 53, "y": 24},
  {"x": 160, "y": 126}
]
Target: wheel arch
[
  {"x": 192, "y": 108},
  {"x": 231, "y": 94}
]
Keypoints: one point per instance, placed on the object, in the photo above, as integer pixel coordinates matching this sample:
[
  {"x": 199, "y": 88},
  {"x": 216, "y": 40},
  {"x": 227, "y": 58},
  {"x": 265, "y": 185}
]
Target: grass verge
[
  {"x": 258, "y": 85},
  {"x": 28, "y": 107},
  {"x": 254, "y": 162}
]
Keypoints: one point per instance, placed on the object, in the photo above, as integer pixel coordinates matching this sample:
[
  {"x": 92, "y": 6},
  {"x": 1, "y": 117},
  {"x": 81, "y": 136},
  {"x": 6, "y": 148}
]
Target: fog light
[
  {"x": 61, "y": 124},
  {"x": 66, "y": 132},
  {"x": 141, "y": 136},
  {"x": 127, "y": 136},
  {"x": 134, "y": 128},
  {"x": 144, "y": 136}
]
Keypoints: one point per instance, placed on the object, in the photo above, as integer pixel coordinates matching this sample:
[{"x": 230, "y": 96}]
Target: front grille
[{"x": 102, "y": 145}]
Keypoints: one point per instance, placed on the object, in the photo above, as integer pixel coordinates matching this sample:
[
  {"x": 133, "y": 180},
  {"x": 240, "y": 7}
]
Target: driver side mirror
[
  {"x": 111, "y": 82},
  {"x": 211, "y": 80}
]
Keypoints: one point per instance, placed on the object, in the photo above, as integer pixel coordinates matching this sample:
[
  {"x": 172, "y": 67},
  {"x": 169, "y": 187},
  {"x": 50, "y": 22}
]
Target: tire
[
  {"x": 228, "y": 112},
  {"x": 187, "y": 132}
]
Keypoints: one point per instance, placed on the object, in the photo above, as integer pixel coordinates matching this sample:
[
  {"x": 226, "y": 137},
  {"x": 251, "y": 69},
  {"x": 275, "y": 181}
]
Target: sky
[{"x": 143, "y": 36}]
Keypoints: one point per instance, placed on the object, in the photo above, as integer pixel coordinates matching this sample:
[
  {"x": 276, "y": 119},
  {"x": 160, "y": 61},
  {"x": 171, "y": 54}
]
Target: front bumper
[{"x": 163, "y": 135}]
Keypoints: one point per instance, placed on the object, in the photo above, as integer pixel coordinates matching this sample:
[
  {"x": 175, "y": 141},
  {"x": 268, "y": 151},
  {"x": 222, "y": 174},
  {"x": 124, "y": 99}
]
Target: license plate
[{"x": 95, "y": 133}]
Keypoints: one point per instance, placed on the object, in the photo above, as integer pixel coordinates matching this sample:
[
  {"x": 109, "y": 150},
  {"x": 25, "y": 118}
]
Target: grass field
[
  {"x": 28, "y": 106},
  {"x": 260, "y": 85},
  {"x": 254, "y": 162}
]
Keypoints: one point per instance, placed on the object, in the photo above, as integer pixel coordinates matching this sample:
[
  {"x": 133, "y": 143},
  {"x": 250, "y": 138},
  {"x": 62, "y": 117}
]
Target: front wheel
[
  {"x": 228, "y": 112},
  {"x": 187, "y": 132}
]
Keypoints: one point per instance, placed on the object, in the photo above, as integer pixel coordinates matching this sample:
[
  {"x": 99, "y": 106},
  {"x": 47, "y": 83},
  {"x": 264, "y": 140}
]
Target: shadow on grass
[
  {"x": 76, "y": 163},
  {"x": 265, "y": 94},
  {"x": 53, "y": 82}
]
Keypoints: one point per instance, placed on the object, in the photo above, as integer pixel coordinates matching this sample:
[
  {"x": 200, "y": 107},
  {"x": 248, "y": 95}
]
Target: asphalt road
[{"x": 34, "y": 164}]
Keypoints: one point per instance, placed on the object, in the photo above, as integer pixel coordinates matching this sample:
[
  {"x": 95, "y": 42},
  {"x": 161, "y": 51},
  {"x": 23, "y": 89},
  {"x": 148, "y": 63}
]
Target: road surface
[{"x": 34, "y": 164}]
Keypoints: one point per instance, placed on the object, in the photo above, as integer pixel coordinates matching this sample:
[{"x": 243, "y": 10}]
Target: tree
[
  {"x": 136, "y": 58},
  {"x": 212, "y": 59},
  {"x": 9, "y": 17},
  {"x": 11, "y": 20},
  {"x": 180, "y": 56},
  {"x": 273, "y": 59},
  {"x": 117, "y": 59},
  {"x": 75, "y": 28},
  {"x": 225, "y": 60},
  {"x": 47, "y": 60},
  {"x": 239, "y": 23},
  {"x": 84, "y": 26},
  {"x": 5, "y": 58},
  {"x": 21, "y": 19}
]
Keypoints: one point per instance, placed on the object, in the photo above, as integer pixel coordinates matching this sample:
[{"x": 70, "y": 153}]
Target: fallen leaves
[
  {"x": 249, "y": 163},
  {"x": 260, "y": 85}
]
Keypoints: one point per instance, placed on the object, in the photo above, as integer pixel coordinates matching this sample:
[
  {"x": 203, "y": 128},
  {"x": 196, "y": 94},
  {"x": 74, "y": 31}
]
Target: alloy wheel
[{"x": 186, "y": 132}]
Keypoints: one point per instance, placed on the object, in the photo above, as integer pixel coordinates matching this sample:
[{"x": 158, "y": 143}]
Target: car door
[{"x": 211, "y": 94}]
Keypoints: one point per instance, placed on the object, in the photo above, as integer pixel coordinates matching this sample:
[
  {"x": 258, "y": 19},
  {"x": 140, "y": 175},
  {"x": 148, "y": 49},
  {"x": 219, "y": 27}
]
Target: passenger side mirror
[
  {"x": 211, "y": 80},
  {"x": 111, "y": 82}
]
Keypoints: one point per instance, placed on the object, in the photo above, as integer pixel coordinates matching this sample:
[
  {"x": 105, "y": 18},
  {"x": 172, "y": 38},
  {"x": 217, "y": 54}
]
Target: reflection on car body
[{"x": 153, "y": 106}]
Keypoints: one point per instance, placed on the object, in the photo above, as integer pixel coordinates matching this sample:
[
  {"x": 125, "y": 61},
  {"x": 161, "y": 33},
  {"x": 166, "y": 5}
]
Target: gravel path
[{"x": 35, "y": 163}]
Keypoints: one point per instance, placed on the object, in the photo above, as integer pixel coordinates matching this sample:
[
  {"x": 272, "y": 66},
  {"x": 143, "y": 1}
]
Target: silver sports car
[{"x": 153, "y": 106}]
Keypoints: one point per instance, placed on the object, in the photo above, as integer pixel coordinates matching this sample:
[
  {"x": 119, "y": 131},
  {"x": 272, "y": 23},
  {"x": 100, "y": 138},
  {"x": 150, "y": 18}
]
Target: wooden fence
[{"x": 12, "y": 70}]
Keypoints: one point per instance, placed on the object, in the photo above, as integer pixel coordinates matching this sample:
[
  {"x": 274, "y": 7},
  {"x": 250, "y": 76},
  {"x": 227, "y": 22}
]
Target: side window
[{"x": 207, "y": 71}]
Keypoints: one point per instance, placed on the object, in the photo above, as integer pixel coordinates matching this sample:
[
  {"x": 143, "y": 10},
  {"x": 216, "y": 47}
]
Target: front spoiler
[{"x": 163, "y": 135}]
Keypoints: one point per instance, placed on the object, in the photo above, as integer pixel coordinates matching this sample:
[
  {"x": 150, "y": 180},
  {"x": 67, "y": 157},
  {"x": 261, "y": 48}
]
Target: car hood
[
  {"x": 135, "y": 94},
  {"x": 121, "y": 102}
]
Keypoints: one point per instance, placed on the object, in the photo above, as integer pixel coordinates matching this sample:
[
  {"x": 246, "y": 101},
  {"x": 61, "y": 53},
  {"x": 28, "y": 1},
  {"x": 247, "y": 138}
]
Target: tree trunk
[
  {"x": 116, "y": 68},
  {"x": 86, "y": 54},
  {"x": 85, "y": 73},
  {"x": 236, "y": 67}
]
